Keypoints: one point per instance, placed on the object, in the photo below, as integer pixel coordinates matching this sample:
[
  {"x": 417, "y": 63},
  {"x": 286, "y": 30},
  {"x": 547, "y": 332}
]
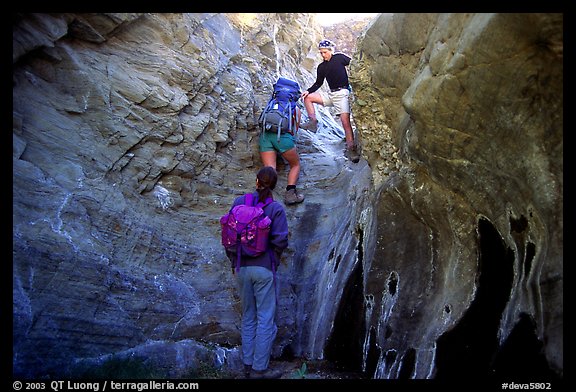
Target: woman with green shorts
[{"x": 269, "y": 147}]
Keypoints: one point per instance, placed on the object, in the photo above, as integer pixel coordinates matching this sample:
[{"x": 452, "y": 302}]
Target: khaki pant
[{"x": 338, "y": 99}]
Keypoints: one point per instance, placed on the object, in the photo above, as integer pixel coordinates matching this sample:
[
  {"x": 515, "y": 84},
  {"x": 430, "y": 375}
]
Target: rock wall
[
  {"x": 345, "y": 34},
  {"x": 132, "y": 135},
  {"x": 461, "y": 119}
]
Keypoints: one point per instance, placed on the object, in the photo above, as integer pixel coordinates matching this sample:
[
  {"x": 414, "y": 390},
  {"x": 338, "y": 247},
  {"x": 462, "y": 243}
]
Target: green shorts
[{"x": 269, "y": 142}]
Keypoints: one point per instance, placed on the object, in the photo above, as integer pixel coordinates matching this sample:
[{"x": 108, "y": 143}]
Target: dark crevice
[
  {"x": 337, "y": 263},
  {"x": 518, "y": 225},
  {"x": 408, "y": 365},
  {"x": 387, "y": 332},
  {"x": 521, "y": 357},
  {"x": 530, "y": 253},
  {"x": 392, "y": 283},
  {"x": 360, "y": 246},
  {"x": 373, "y": 353},
  {"x": 389, "y": 360},
  {"x": 466, "y": 351},
  {"x": 345, "y": 345},
  {"x": 287, "y": 353}
]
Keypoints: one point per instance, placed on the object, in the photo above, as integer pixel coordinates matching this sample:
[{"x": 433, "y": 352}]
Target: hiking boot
[
  {"x": 352, "y": 154},
  {"x": 247, "y": 369},
  {"x": 267, "y": 374},
  {"x": 310, "y": 125},
  {"x": 292, "y": 197}
]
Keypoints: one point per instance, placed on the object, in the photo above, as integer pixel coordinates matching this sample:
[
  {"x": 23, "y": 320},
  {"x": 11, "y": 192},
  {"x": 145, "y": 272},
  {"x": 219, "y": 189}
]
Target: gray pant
[{"x": 258, "y": 295}]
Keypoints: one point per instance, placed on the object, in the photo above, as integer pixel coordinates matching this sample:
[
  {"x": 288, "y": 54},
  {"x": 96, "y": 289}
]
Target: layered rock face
[
  {"x": 345, "y": 35},
  {"x": 133, "y": 134},
  {"x": 461, "y": 120}
]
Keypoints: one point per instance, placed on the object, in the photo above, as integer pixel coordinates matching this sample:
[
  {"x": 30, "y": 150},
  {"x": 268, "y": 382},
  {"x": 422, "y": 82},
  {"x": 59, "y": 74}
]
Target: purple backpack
[{"x": 245, "y": 229}]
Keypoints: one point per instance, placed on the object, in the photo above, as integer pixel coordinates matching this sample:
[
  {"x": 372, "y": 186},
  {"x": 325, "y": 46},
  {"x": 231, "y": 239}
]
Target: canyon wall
[
  {"x": 461, "y": 119},
  {"x": 133, "y": 134}
]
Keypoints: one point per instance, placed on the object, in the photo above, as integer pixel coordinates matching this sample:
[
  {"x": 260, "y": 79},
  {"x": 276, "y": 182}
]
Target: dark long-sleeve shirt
[
  {"x": 278, "y": 237},
  {"x": 334, "y": 71}
]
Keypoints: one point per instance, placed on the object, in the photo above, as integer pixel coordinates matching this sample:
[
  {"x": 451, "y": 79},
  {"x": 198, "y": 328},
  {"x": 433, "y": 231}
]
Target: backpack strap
[
  {"x": 249, "y": 199},
  {"x": 238, "y": 261},
  {"x": 279, "y": 129},
  {"x": 290, "y": 117},
  {"x": 287, "y": 108},
  {"x": 263, "y": 116}
]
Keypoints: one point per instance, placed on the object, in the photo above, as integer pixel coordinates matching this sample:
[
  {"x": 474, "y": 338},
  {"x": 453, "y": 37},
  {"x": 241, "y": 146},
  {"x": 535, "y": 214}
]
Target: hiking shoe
[
  {"x": 310, "y": 125},
  {"x": 266, "y": 374},
  {"x": 352, "y": 154},
  {"x": 247, "y": 369},
  {"x": 292, "y": 197}
]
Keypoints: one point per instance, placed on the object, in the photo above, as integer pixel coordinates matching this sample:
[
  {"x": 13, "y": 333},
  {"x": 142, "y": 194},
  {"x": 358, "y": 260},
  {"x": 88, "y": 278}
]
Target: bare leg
[
  {"x": 268, "y": 158},
  {"x": 309, "y": 102},
  {"x": 294, "y": 161},
  {"x": 347, "y": 125}
]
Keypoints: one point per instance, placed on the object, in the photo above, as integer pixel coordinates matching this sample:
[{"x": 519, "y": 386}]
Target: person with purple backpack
[{"x": 256, "y": 277}]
